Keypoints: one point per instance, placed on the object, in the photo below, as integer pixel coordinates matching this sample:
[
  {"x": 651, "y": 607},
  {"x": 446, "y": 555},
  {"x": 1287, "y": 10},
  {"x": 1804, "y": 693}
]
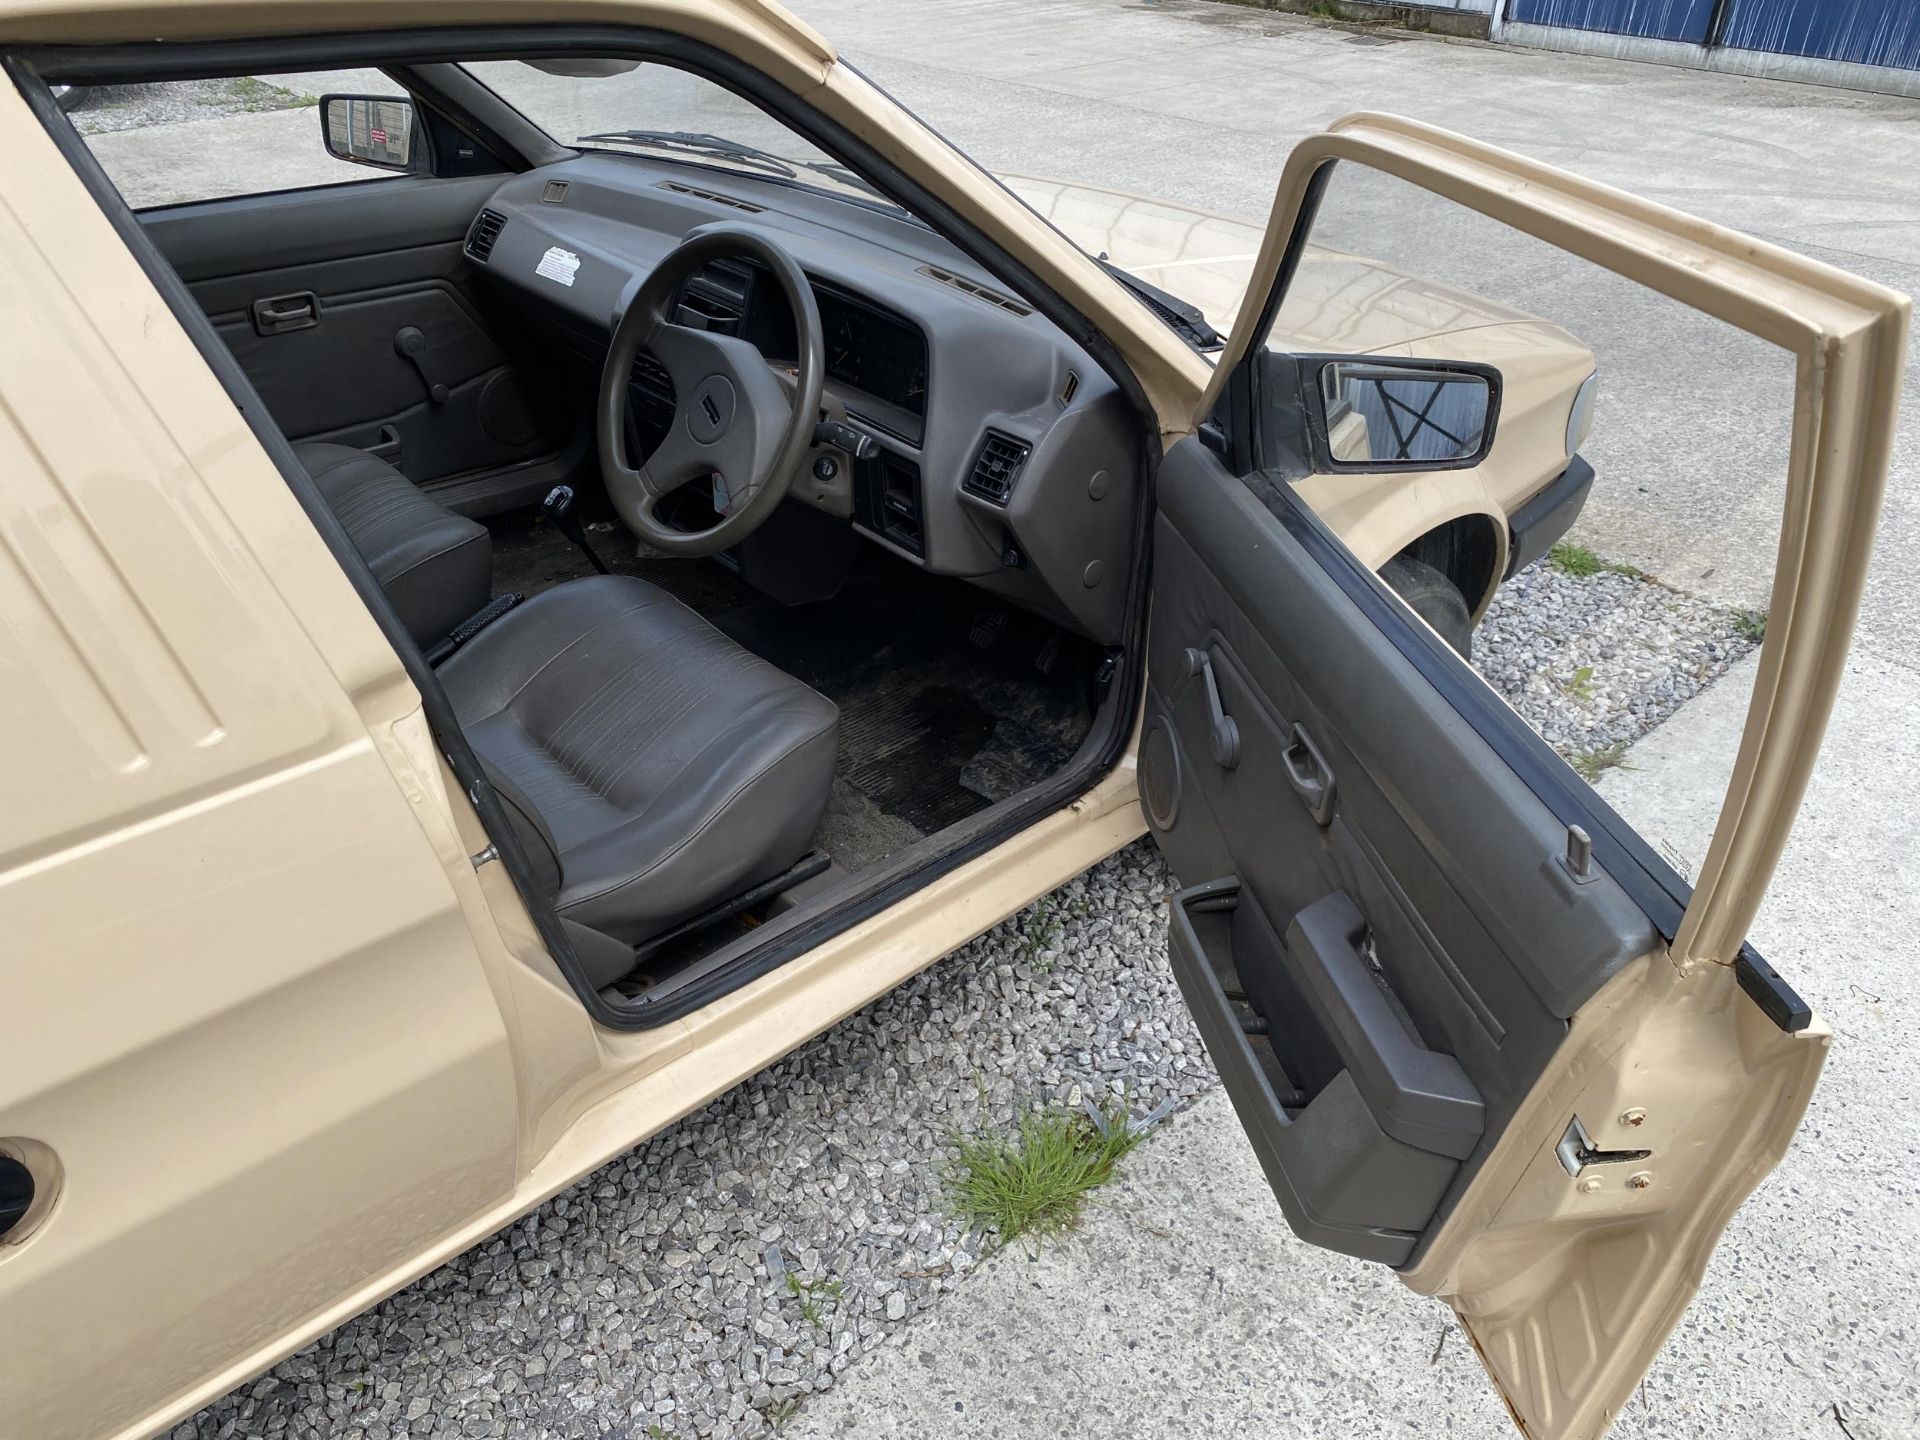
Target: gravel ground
[
  {"x": 656, "y": 1292},
  {"x": 1593, "y": 662},
  {"x": 709, "y": 1281}
]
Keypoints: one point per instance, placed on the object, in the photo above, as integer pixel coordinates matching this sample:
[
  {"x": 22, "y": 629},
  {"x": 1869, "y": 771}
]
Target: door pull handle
[
  {"x": 1223, "y": 735},
  {"x": 1310, "y": 776}
]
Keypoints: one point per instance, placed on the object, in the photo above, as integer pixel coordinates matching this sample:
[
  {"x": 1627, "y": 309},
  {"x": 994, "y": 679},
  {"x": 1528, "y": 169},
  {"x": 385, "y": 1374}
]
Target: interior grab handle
[{"x": 1223, "y": 736}]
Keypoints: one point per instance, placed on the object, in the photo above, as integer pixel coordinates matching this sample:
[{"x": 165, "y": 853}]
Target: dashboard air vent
[
  {"x": 650, "y": 374},
  {"x": 555, "y": 193},
  {"x": 996, "y": 467},
  {"x": 975, "y": 289},
  {"x": 487, "y": 226},
  {"x": 711, "y": 197}
]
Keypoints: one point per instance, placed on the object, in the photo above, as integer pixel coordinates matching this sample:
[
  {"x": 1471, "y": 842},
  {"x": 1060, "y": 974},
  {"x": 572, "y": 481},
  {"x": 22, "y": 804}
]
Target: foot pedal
[
  {"x": 472, "y": 626},
  {"x": 987, "y": 629},
  {"x": 1049, "y": 656}
]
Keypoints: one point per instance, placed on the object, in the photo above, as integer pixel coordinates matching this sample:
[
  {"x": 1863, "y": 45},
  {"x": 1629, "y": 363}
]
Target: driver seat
[{"x": 652, "y": 767}]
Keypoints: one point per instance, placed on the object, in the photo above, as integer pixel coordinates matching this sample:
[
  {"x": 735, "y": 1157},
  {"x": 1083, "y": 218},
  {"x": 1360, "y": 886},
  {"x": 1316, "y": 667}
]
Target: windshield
[{"x": 660, "y": 111}]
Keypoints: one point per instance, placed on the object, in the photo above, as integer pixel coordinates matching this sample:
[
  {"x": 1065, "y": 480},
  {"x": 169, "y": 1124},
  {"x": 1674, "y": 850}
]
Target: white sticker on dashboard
[{"x": 558, "y": 264}]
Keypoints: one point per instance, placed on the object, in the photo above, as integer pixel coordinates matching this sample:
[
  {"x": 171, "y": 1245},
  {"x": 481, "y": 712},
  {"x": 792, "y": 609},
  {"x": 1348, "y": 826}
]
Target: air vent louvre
[
  {"x": 1071, "y": 388},
  {"x": 711, "y": 197},
  {"x": 487, "y": 226},
  {"x": 996, "y": 467},
  {"x": 652, "y": 375},
  {"x": 555, "y": 193},
  {"x": 975, "y": 289}
]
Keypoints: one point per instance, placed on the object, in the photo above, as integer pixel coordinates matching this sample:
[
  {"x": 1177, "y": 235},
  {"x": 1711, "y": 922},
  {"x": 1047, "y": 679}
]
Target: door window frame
[{"x": 1848, "y": 338}]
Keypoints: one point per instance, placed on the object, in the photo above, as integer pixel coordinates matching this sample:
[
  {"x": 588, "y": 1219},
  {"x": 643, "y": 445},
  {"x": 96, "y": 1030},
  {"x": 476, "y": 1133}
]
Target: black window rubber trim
[{"x": 30, "y": 67}]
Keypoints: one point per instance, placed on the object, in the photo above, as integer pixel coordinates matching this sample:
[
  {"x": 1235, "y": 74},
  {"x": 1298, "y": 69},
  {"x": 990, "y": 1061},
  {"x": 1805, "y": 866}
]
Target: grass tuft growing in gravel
[
  {"x": 1590, "y": 765},
  {"x": 1752, "y": 624},
  {"x": 1580, "y": 562},
  {"x": 1033, "y": 1183}
]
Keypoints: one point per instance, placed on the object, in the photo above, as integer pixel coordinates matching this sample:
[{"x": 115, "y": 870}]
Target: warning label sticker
[{"x": 559, "y": 265}]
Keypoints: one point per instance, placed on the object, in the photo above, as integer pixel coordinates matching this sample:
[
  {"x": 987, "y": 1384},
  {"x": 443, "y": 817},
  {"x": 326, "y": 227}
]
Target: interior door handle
[
  {"x": 277, "y": 314},
  {"x": 1310, "y": 775},
  {"x": 1223, "y": 736}
]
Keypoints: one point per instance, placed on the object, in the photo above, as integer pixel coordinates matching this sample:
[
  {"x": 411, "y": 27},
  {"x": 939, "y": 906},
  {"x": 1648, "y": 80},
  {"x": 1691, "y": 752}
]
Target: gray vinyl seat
[
  {"x": 652, "y": 767},
  {"x": 435, "y": 566}
]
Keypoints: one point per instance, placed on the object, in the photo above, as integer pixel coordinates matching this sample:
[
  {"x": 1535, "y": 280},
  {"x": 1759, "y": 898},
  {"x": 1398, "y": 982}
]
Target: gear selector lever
[{"x": 558, "y": 507}]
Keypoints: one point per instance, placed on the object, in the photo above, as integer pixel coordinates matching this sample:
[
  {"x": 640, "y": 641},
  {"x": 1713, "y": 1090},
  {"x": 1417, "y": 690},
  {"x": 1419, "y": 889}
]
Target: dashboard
[{"x": 998, "y": 451}]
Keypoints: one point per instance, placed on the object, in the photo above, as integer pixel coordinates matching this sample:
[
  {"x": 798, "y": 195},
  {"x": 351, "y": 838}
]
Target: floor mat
[{"x": 948, "y": 701}]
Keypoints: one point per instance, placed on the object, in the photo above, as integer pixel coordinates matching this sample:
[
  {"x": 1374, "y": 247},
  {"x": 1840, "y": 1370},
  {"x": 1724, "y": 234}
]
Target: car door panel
[
  {"x": 401, "y": 355},
  {"x": 1436, "y": 877},
  {"x": 1400, "y": 903}
]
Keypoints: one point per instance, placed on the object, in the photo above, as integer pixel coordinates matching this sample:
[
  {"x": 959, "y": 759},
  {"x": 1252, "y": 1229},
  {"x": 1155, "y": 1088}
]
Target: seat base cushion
[
  {"x": 657, "y": 768},
  {"x": 436, "y": 567}
]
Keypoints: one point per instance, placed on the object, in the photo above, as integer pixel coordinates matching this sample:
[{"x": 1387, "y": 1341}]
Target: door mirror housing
[
  {"x": 376, "y": 130},
  {"x": 1379, "y": 413}
]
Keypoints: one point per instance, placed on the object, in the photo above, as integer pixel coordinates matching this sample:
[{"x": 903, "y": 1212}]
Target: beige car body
[
  {"x": 1354, "y": 305},
  {"x": 236, "y": 873}
]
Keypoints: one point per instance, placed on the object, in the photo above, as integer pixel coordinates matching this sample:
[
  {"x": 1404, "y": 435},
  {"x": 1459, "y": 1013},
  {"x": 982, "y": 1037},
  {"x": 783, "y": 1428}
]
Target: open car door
[{"x": 1476, "y": 1028}]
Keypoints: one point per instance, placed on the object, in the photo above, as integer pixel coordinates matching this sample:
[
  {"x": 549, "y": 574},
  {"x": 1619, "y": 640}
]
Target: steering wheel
[{"x": 734, "y": 423}]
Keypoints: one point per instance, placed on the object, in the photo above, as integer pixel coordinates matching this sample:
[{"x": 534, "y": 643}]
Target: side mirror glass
[
  {"x": 374, "y": 130},
  {"x": 1387, "y": 413}
]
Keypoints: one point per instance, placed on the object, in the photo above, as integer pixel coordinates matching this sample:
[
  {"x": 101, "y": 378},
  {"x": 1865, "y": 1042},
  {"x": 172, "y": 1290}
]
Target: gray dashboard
[{"x": 1020, "y": 470}]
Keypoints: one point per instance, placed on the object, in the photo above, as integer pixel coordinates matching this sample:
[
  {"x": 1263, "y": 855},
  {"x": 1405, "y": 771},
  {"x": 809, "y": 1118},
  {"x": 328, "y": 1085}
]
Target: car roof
[{"x": 75, "y": 22}]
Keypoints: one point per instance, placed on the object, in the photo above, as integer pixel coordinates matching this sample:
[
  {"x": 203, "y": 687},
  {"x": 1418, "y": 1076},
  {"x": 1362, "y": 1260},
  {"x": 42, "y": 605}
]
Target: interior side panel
[
  {"x": 1396, "y": 935},
  {"x": 390, "y": 348}
]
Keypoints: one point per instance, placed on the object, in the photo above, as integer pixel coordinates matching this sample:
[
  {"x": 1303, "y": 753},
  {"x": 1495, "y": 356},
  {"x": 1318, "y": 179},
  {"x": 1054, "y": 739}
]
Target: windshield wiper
[
  {"x": 691, "y": 142},
  {"x": 1187, "y": 320}
]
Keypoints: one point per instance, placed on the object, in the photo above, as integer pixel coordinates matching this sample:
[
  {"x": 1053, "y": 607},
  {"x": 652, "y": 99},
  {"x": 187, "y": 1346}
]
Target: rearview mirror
[
  {"x": 1379, "y": 413},
  {"x": 374, "y": 130}
]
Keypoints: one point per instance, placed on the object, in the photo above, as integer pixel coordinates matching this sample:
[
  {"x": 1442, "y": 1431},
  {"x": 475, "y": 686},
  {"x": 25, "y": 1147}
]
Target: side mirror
[
  {"x": 374, "y": 130},
  {"x": 1384, "y": 412}
]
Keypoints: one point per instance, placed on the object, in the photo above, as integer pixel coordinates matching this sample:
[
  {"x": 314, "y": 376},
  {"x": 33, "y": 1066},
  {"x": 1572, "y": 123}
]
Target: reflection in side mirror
[
  {"x": 374, "y": 130},
  {"x": 1388, "y": 413}
]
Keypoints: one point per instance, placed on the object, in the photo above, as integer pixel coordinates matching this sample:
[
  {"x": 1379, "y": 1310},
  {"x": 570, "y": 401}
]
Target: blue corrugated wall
[
  {"x": 1866, "y": 32},
  {"x": 1653, "y": 19}
]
